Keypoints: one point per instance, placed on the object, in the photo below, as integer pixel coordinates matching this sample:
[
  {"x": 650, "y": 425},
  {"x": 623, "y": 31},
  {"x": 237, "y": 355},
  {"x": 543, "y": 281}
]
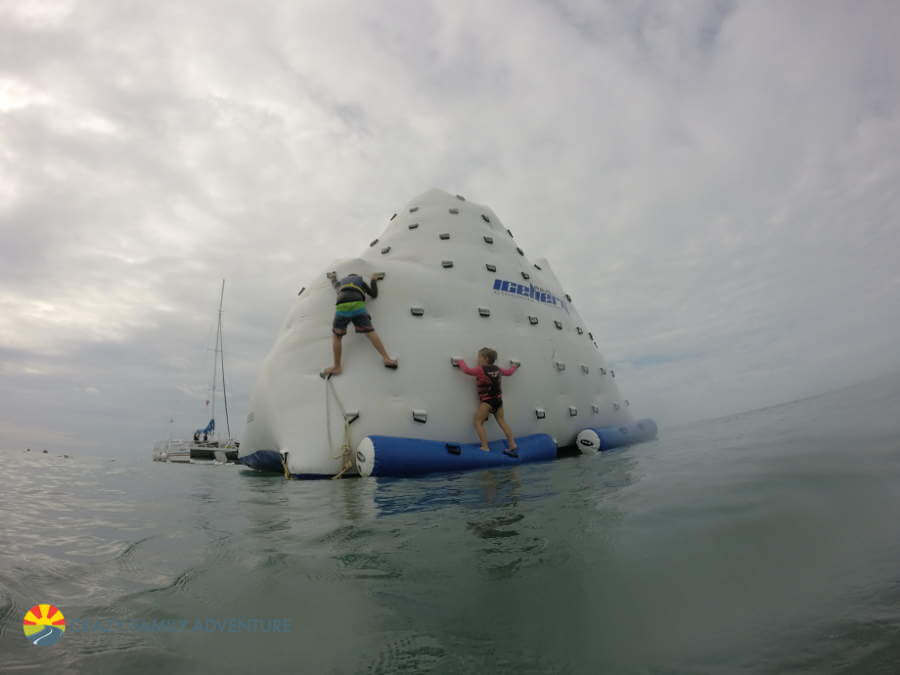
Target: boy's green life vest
[{"x": 352, "y": 292}]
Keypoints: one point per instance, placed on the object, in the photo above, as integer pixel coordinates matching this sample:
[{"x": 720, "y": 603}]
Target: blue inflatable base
[
  {"x": 263, "y": 460},
  {"x": 395, "y": 456},
  {"x": 626, "y": 434}
]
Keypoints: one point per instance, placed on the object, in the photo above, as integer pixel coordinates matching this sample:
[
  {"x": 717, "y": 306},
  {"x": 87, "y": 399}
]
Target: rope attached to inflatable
[{"x": 346, "y": 453}]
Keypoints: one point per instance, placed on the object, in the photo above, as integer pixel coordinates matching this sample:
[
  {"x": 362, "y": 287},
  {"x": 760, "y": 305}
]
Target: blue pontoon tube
[
  {"x": 395, "y": 456},
  {"x": 597, "y": 439}
]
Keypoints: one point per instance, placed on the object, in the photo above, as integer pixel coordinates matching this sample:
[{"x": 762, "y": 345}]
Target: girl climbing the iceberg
[{"x": 487, "y": 380}]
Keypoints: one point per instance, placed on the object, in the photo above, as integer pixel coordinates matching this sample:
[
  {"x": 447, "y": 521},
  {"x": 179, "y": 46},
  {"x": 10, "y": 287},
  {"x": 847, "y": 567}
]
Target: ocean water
[{"x": 765, "y": 542}]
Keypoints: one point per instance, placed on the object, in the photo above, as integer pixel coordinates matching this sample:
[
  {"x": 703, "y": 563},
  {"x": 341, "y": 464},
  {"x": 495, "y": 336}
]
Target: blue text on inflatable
[
  {"x": 529, "y": 291},
  {"x": 395, "y": 456}
]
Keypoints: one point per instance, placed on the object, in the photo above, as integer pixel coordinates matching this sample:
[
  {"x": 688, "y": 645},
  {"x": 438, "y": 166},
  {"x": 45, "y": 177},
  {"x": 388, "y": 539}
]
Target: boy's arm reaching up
[{"x": 371, "y": 289}]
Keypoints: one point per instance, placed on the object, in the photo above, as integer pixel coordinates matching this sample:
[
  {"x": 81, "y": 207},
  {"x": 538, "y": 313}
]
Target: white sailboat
[{"x": 206, "y": 443}]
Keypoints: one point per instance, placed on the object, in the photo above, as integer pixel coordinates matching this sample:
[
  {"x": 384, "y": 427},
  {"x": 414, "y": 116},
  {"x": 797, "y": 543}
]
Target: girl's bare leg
[
  {"x": 483, "y": 412},
  {"x": 506, "y": 430}
]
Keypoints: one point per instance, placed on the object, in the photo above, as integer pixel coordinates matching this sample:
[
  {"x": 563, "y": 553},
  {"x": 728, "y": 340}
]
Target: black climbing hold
[
  {"x": 533, "y": 320},
  {"x": 413, "y": 226},
  {"x": 488, "y": 240},
  {"x": 446, "y": 264},
  {"x": 444, "y": 235},
  {"x": 454, "y": 211},
  {"x": 558, "y": 324},
  {"x": 521, "y": 252},
  {"x": 413, "y": 209},
  {"x": 453, "y": 448},
  {"x": 386, "y": 249},
  {"x": 526, "y": 276},
  {"x": 490, "y": 268},
  {"x": 393, "y": 216},
  {"x": 485, "y": 218},
  {"x": 417, "y": 311},
  {"x": 374, "y": 241}
]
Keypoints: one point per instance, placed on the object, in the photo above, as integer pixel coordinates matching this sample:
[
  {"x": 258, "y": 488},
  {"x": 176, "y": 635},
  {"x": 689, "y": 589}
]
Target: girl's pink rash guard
[{"x": 488, "y": 383}]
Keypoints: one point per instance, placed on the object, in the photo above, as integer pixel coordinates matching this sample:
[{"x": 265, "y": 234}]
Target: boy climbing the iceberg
[
  {"x": 351, "y": 306},
  {"x": 487, "y": 380}
]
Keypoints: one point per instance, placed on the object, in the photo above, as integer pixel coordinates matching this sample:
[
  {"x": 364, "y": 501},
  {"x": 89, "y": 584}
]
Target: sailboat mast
[
  {"x": 216, "y": 354},
  {"x": 222, "y": 362}
]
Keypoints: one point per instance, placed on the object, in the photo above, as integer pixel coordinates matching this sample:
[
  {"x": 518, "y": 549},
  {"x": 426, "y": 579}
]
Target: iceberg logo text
[
  {"x": 530, "y": 291},
  {"x": 44, "y": 624}
]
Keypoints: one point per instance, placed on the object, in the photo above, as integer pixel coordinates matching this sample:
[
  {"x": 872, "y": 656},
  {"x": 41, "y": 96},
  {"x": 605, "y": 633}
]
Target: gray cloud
[{"x": 715, "y": 182}]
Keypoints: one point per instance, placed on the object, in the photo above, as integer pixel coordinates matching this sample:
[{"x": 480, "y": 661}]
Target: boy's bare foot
[
  {"x": 329, "y": 372},
  {"x": 485, "y": 448}
]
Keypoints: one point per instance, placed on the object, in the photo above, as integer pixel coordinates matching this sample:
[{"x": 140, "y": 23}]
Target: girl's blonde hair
[{"x": 489, "y": 354}]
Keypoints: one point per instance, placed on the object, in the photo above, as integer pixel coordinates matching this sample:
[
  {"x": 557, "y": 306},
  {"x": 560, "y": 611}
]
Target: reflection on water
[{"x": 758, "y": 543}]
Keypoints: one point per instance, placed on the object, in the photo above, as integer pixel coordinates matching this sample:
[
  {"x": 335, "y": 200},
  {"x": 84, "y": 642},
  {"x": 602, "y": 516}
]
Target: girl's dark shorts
[{"x": 496, "y": 402}]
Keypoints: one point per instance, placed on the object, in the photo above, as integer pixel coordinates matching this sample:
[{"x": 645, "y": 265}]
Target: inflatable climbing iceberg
[{"x": 455, "y": 281}]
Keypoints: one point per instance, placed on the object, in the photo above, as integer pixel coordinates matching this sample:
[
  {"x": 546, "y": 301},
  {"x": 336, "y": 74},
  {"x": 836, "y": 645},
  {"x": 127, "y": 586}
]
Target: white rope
[
  {"x": 328, "y": 414},
  {"x": 346, "y": 454}
]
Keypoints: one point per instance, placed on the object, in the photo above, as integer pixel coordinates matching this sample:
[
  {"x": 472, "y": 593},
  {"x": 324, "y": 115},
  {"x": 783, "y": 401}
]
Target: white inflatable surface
[{"x": 516, "y": 307}]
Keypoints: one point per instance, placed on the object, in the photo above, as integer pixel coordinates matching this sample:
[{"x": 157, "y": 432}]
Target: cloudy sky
[{"x": 715, "y": 182}]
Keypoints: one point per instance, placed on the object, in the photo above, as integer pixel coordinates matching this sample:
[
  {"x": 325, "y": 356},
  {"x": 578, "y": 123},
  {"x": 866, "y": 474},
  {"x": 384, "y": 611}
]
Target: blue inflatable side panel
[
  {"x": 626, "y": 434},
  {"x": 395, "y": 456},
  {"x": 263, "y": 460}
]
